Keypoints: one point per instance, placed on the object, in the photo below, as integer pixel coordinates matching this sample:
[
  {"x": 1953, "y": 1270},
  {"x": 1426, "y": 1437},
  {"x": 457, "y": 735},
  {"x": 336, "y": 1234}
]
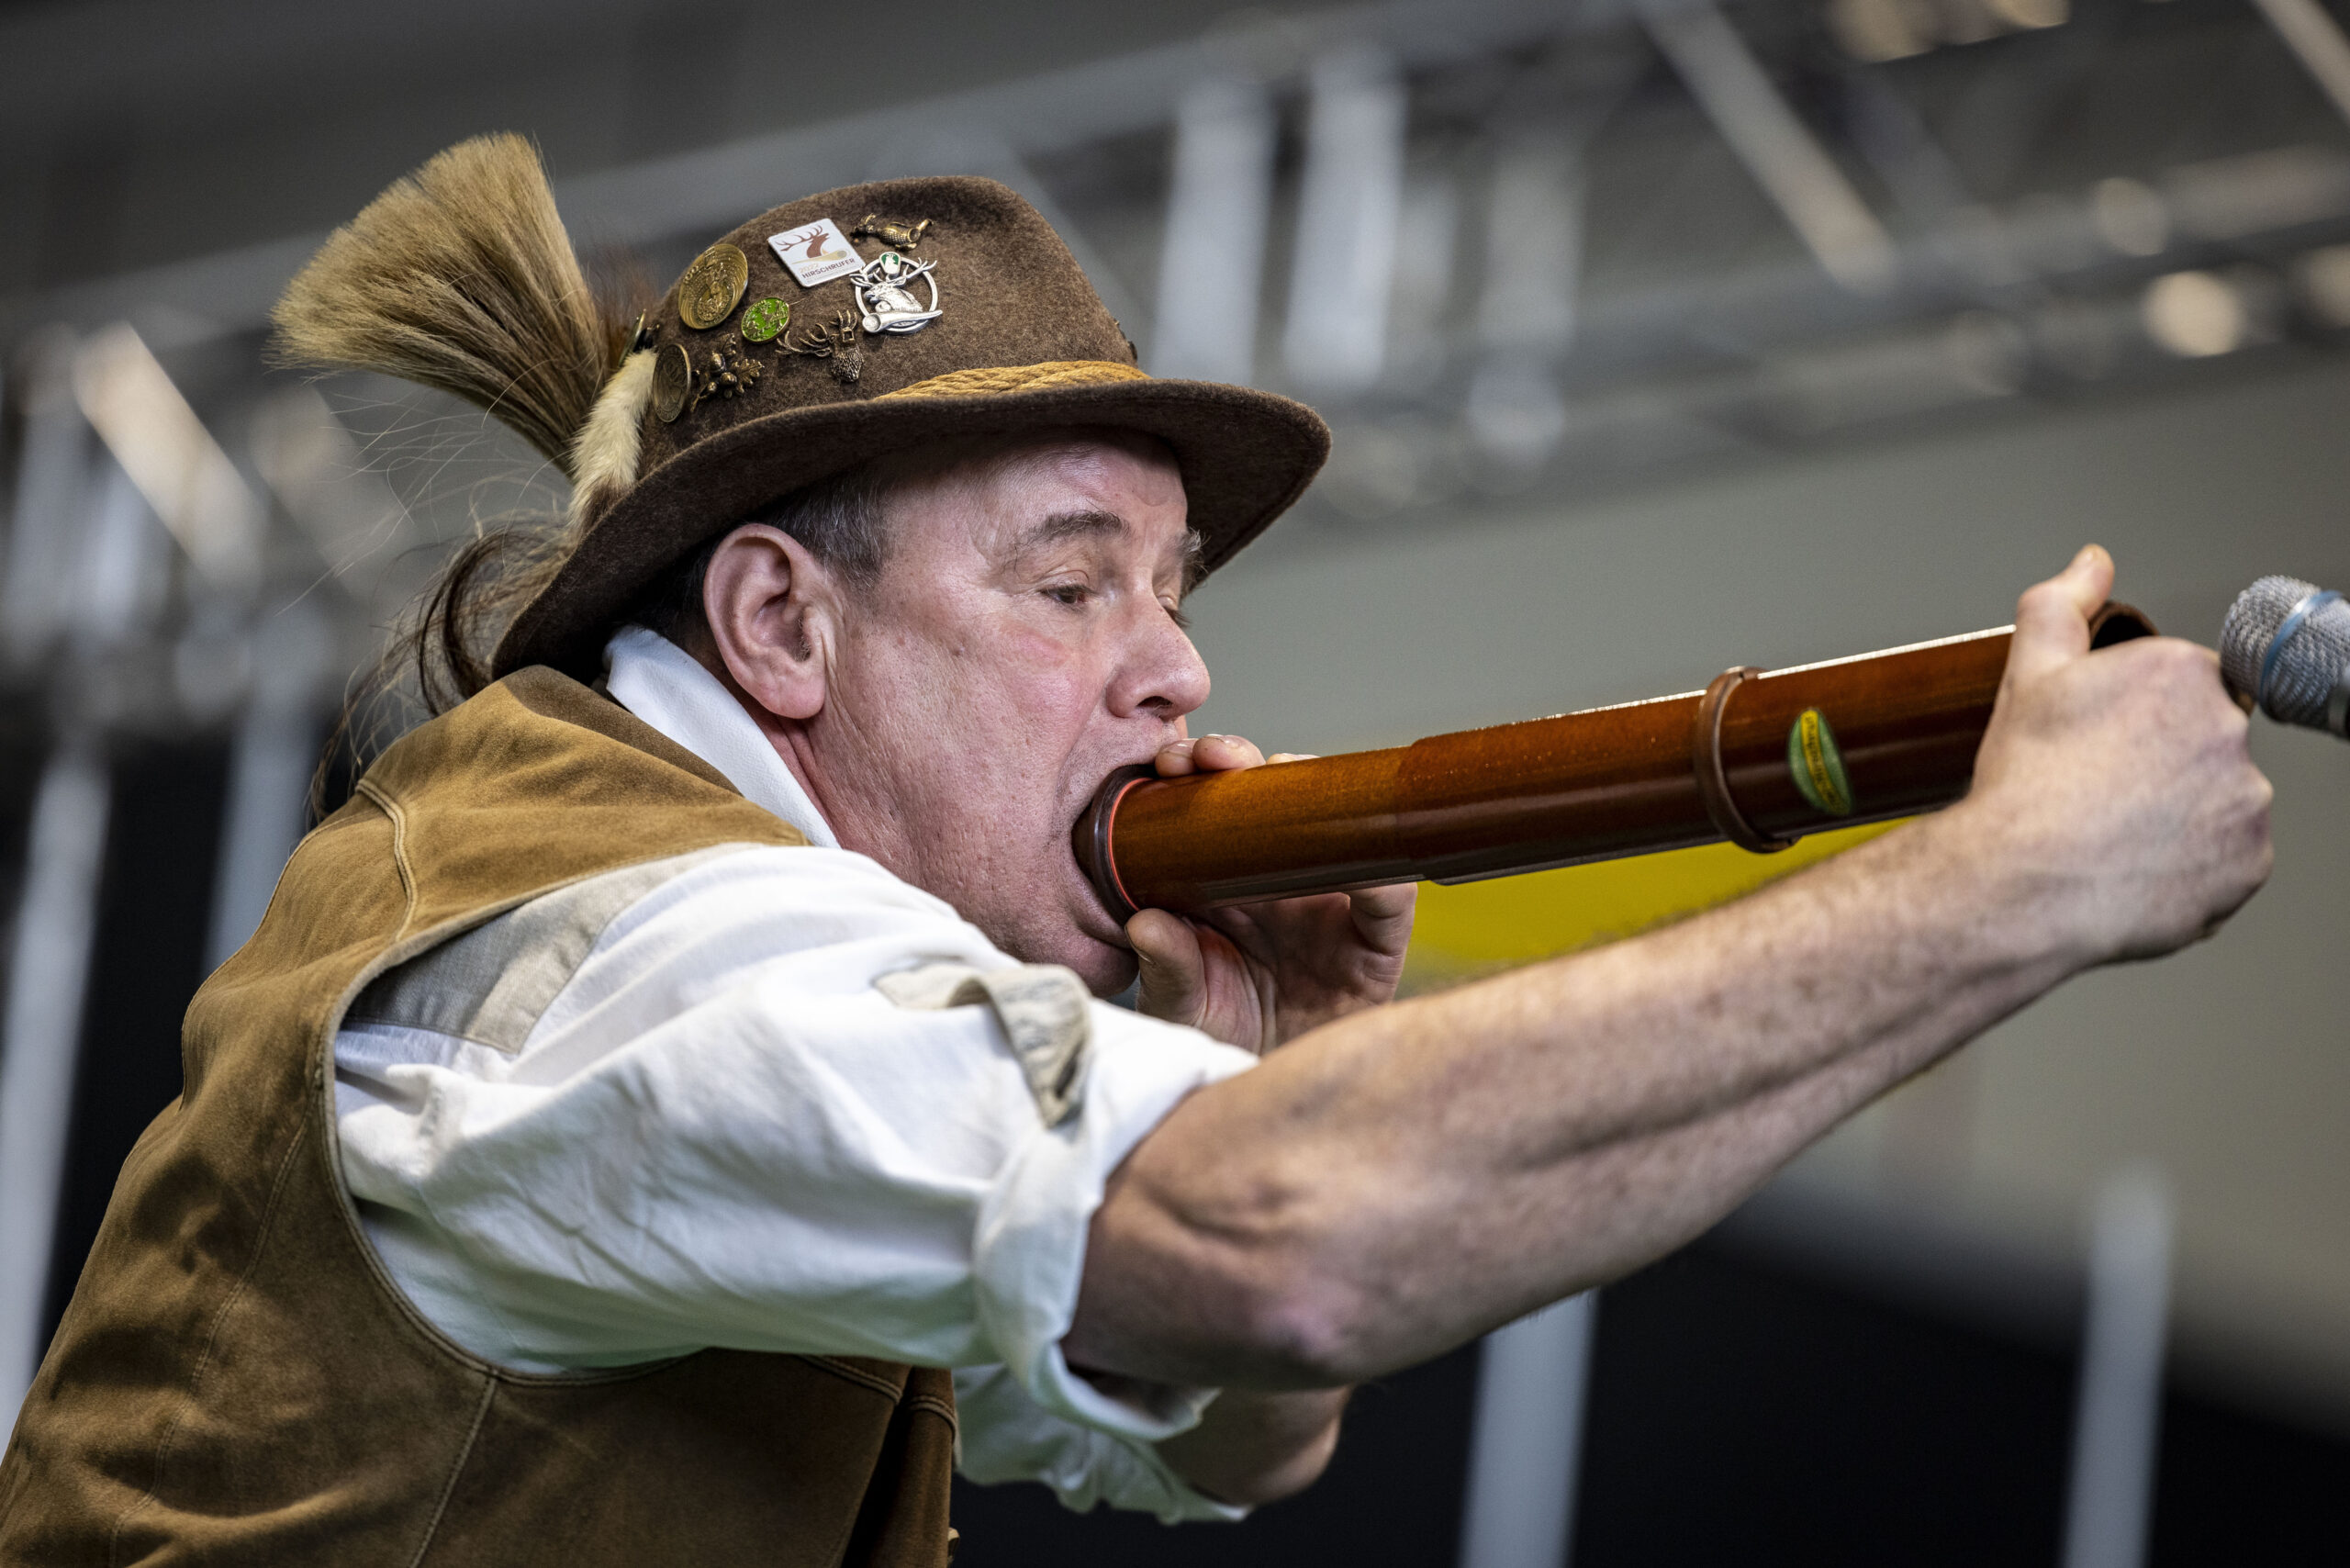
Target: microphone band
[{"x": 2309, "y": 605}]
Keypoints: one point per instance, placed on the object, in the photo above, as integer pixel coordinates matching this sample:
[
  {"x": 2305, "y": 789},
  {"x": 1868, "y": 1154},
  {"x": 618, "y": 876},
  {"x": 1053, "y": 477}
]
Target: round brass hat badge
[
  {"x": 712, "y": 286},
  {"x": 673, "y": 382}
]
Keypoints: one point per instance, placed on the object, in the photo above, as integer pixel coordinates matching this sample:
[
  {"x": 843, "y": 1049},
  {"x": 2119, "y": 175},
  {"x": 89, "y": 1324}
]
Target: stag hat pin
[{"x": 885, "y": 288}]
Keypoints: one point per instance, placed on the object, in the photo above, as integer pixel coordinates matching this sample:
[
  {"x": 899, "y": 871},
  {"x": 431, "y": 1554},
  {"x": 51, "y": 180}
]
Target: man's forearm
[{"x": 1407, "y": 1178}]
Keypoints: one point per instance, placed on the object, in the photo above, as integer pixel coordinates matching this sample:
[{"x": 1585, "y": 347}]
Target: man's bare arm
[{"x": 1399, "y": 1181}]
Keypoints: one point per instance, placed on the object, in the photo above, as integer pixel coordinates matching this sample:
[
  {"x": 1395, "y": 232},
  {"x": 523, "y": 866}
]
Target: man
[{"x": 635, "y": 1097}]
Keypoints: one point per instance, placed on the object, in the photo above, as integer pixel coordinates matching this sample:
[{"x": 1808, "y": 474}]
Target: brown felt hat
[{"x": 736, "y": 418}]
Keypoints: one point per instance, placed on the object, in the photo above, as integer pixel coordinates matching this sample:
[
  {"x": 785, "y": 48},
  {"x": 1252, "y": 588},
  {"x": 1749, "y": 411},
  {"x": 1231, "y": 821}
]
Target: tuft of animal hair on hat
[{"x": 460, "y": 276}]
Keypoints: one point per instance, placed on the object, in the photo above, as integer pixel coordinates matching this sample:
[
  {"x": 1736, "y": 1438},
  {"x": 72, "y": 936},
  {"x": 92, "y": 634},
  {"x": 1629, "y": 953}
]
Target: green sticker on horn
[{"x": 1818, "y": 766}]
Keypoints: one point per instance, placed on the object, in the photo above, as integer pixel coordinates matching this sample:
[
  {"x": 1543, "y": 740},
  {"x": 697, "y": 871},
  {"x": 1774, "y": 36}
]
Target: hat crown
[
  {"x": 935, "y": 310},
  {"x": 1007, "y": 293}
]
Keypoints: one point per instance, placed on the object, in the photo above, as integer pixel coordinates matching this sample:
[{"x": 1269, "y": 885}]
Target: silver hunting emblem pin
[{"x": 885, "y": 289}]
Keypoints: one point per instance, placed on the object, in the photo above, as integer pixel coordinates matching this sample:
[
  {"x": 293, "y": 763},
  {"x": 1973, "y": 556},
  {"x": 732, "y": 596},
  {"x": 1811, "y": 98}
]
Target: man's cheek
[
  {"x": 1039, "y": 648},
  {"x": 1047, "y": 709}
]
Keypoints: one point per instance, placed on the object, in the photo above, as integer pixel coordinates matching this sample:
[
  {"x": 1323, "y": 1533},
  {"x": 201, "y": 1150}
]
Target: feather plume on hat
[{"x": 460, "y": 276}]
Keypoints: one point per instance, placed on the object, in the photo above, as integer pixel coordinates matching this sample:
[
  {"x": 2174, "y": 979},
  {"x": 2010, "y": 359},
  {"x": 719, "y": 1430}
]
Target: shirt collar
[{"x": 668, "y": 688}]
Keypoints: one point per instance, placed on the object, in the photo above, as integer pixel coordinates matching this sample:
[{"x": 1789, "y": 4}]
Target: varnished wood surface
[{"x": 1595, "y": 785}]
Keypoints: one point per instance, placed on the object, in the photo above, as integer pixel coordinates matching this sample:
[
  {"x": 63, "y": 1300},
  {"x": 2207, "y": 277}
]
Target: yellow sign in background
[{"x": 1479, "y": 928}]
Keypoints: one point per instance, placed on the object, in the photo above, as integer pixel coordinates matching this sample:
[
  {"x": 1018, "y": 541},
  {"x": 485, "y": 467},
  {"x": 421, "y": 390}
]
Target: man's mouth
[{"x": 1088, "y": 839}]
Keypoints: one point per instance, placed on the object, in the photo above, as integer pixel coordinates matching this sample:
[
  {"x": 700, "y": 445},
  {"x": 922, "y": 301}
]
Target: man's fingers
[
  {"x": 1174, "y": 759},
  {"x": 1222, "y": 754},
  {"x": 1215, "y": 754},
  {"x": 1174, "y": 970},
  {"x": 2053, "y": 618},
  {"x": 1382, "y": 916}
]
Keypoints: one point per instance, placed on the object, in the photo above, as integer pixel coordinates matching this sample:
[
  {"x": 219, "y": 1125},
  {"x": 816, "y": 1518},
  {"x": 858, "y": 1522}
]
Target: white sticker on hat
[{"x": 816, "y": 253}]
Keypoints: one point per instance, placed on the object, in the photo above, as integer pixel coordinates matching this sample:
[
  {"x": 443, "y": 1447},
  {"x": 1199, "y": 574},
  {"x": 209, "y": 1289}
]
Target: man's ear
[{"x": 770, "y": 606}]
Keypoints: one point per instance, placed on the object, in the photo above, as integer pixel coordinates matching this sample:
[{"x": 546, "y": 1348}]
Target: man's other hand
[
  {"x": 1255, "y": 975},
  {"x": 2119, "y": 783}
]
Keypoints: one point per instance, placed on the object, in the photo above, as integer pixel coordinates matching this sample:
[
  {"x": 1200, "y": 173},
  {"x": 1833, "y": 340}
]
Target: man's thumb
[
  {"x": 2053, "y": 618},
  {"x": 1173, "y": 970}
]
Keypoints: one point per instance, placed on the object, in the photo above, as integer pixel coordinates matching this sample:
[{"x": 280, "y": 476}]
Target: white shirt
[{"x": 721, "y": 1134}]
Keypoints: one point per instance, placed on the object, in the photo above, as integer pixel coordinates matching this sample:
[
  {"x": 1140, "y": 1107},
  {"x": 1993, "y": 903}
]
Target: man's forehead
[
  {"x": 1076, "y": 490},
  {"x": 1008, "y": 498}
]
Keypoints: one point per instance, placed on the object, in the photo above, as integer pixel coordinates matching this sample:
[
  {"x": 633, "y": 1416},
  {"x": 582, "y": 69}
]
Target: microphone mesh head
[{"x": 2311, "y": 662}]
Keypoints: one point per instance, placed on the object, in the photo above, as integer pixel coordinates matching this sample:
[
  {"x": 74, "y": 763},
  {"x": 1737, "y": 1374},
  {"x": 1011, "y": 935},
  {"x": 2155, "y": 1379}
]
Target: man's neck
[
  {"x": 701, "y": 709},
  {"x": 787, "y": 738}
]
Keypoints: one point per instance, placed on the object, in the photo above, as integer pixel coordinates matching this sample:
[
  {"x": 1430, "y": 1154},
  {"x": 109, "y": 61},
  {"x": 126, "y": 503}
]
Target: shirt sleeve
[
  {"x": 1006, "y": 1436},
  {"x": 722, "y": 1132}
]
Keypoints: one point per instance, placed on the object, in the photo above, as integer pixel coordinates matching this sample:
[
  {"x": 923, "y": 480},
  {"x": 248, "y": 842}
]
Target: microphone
[{"x": 2286, "y": 647}]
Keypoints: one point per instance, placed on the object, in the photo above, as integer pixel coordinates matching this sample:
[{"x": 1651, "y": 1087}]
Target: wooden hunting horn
[{"x": 1760, "y": 758}]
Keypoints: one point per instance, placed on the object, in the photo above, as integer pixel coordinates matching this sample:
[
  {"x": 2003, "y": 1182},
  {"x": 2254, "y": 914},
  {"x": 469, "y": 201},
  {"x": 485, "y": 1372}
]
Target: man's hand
[
  {"x": 2120, "y": 784},
  {"x": 1255, "y": 975},
  {"x": 1255, "y": 1449}
]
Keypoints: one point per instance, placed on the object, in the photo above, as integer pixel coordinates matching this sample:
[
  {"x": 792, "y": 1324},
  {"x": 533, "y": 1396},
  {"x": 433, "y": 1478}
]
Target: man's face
[{"x": 1024, "y": 640}]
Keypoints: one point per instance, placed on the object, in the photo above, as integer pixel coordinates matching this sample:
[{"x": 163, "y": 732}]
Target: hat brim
[{"x": 1245, "y": 456}]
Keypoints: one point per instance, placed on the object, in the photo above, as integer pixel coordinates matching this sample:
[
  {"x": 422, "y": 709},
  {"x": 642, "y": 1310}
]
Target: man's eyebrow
[{"x": 1068, "y": 525}]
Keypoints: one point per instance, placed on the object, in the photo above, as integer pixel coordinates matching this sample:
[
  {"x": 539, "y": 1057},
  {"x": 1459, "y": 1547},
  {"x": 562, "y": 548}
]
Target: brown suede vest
[{"x": 238, "y": 1381}]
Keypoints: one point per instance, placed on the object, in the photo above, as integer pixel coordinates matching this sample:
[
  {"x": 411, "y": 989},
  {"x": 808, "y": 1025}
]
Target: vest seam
[
  {"x": 211, "y": 1342},
  {"x": 391, "y": 808},
  {"x": 936, "y": 1406},
  {"x": 465, "y": 1457},
  {"x": 874, "y": 1380}
]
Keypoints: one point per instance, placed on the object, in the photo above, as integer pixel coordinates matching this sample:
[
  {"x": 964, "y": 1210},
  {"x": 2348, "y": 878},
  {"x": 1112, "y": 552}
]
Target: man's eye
[{"x": 1069, "y": 593}]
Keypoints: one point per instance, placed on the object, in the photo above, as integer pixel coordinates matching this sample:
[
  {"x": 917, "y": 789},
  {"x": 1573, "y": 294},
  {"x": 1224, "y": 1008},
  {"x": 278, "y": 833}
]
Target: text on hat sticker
[{"x": 815, "y": 253}]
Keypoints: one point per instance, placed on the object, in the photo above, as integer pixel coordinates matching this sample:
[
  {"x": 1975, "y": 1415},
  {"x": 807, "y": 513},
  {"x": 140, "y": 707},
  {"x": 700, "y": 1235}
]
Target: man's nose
[{"x": 1161, "y": 673}]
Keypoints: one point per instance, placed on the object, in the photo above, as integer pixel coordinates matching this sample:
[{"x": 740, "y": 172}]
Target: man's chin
[
  {"x": 1106, "y": 968},
  {"x": 1104, "y": 963},
  {"x": 1116, "y": 972}
]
